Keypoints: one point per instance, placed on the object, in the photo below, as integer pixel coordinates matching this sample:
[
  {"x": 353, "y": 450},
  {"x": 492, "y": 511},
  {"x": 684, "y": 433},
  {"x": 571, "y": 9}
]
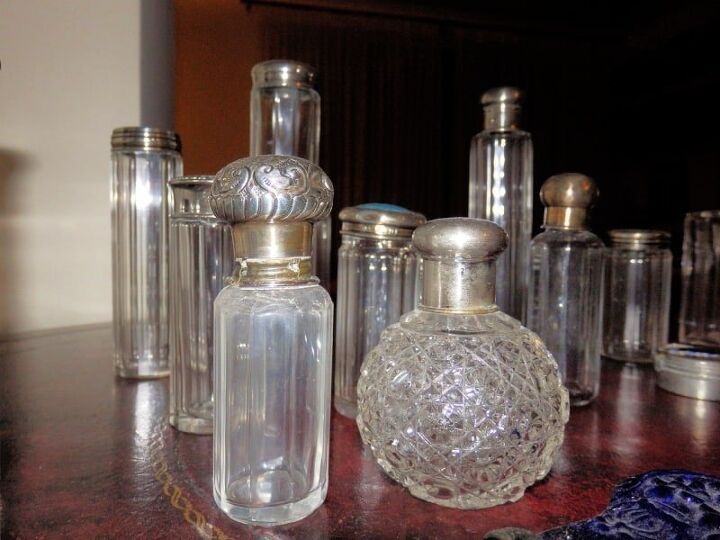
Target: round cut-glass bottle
[{"x": 459, "y": 402}]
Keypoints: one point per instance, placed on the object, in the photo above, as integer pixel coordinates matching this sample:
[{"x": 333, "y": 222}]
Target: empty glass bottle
[
  {"x": 143, "y": 160},
  {"x": 273, "y": 344},
  {"x": 459, "y": 402},
  {"x": 638, "y": 271},
  {"x": 285, "y": 120},
  {"x": 565, "y": 295},
  {"x": 501, "y": 190},
  {"x": 377, "y": 272},
  {"x": 201, "y": 257}
]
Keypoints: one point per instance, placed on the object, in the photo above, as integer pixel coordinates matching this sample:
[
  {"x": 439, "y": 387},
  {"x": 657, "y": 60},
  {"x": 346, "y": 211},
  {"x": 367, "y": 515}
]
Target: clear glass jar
[
  {"x": 285, "y": 120},
  {"x": 143, "y": 161},
  {"x": 700, "y": 305},
  {"x": 459, "y": 402},
  {"x": 565, "y": 294},
  {"x": 273, "y": 344},
  {"x": 201, "y": 257},
  {"x": 377, "y": 274},
  {"x": 638, "y": 272},
  {"x": 501, "y": 190}
]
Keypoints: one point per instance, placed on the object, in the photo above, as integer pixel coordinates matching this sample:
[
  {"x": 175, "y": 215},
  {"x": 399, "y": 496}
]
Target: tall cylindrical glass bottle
[
  {"x": 285, "y": 120},
  {"x": 501, "y": 190},
  {"x": 143, "y": 160},
  {"x": 377, "y": 273},
  {"x": 273, "y": 344},
  {"x": 565, "y": 293},
  {"x": 201, "y": 257}
]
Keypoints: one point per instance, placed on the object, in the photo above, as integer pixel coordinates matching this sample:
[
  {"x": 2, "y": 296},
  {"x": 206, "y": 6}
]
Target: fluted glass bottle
[
  {"x": 201, "y": 257},
  {"x": 143, "y": 160},
  {"x": 273, "y": 344},
  {"x": 565, "y": 294},
  {"x": 285, "y": 120},
  {"x": 638, "y": 271},
  {"x": 459, "y": 402},
  {"x": 377, "y": 273},
  {"x": 501, "y": 190}
]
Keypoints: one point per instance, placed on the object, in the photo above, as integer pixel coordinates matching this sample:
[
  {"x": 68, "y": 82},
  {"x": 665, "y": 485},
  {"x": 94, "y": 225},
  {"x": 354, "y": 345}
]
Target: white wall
[{"x": 71, "y": 72}]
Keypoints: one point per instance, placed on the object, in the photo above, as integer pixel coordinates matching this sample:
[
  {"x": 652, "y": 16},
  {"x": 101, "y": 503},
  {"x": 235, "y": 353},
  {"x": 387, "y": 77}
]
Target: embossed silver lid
[
  {"x": 191, "y": 196},
  {"x": 274, "y": 73},
  {"x": 501, "y": 106},
  {"x": 639, "y": 238},
  {"x": 459, "y": 263},
  {"x": 144, "y": 138},
  {"x": 380, "y": 220},
  {"x": 567, "y": 198}
]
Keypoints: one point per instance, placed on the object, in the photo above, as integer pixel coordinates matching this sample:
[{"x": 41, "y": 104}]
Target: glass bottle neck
[{"x": 458, "y": 286}]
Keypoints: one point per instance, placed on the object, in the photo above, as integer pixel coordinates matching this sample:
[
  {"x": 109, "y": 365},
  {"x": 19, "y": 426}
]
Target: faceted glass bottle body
[
  {"x": 637, "y": 302},
  {"x": 465, "y": 411},
  {"x": 273, "y": 356},
  {"x": 140, "y": 259},
  {"x": 376, "y": 285},
  {"x": 285, "y": 120},
  {"x": 201, "y": 257},
  {"x": 565, "y": 305},
  {"x": 501, "y": 190}
]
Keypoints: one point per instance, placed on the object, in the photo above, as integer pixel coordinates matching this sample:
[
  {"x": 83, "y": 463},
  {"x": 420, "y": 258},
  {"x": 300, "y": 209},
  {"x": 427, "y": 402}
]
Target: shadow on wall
[{"x": 12, "y": 164}]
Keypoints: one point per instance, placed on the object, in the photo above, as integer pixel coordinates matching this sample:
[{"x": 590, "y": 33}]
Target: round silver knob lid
[
  {"x": 460, "y": 239},
  {"x": 274, "y": 73},
  {"x": 272, "y": 189},
  {"x": 502, "y": 94},
  {"x": 569, "y": 190}
]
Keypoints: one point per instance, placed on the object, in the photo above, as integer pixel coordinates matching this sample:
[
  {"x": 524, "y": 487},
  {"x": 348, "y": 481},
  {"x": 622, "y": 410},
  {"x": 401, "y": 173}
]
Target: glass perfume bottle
[
  {"x": 377, "y": 273},
  {"x": 285, "y": 120},
  {"x": 459, "y": 402},
  {"x": 638, "y": 271},
  {"x": 565, "y": 295},
  {"x": 201, "y": 257},
  {"x": 143, "y": 160},
  {"x": 501, "y": 190},
  {"x": 273, "y": 344}
]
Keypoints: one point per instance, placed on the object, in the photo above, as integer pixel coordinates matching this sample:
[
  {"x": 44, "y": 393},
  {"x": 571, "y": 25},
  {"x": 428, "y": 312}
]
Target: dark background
[{"x": 624, "y": 92}]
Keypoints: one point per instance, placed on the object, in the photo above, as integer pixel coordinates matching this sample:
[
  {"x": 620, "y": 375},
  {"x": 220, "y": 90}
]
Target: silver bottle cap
[
  {"x": 271, "y": 202},
  {"x": 459, "y": 263},
  {"x": 689, "y": 370},
  {"x": 567, "y": 198},
  {"x": 638, "y": 238},
  {"x": 291, "y": 73},
  {"x": 144, "y": 138},
  {"x": 379, "y": 220},
  {"x": 502, "y": 108},
  {"x": 191, "y": 196}
]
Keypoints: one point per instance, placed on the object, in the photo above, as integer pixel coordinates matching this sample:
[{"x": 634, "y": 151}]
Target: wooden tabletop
[{"x": 86, "y": 454}]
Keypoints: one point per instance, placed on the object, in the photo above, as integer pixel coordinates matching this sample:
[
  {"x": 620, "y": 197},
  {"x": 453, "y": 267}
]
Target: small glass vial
[
  {"x": 143, "y": 160},
  {"x": 285, "y": 120},
  {"x": 565, "y": 295},
  {"x": 638, "y": 272},
  {"x": 377, "y": 273},
  {"x": 201, "y": 257},
  {"x": 700, "y": 305},
  {"x": 273, "y": 344},
  {"x": 459, "y": 402},
  {"x": 501, "y": 190}
]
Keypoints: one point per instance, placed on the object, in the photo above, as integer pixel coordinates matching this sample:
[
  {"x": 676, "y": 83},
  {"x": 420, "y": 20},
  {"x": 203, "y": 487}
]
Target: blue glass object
[{"x": 383, "y": 207}]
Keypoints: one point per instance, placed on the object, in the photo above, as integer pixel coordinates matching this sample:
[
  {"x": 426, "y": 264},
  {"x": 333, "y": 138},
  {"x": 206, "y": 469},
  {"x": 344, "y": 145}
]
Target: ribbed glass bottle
[
  {"x": 377, "y": 274},
  {"x": 501, "y": 190},
  {"x": 143, "y": 160},
  {"x": 201, "y": 257}
]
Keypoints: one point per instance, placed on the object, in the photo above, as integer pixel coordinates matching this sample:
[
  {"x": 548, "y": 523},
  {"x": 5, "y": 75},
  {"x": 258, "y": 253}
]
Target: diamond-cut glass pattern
[{"x": 465, "y": 411}]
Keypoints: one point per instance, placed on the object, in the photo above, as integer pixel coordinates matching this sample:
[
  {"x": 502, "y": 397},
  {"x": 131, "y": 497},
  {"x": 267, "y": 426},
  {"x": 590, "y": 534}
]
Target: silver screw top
[
  {"x": 274, "y": 73},
  {"x": 639, "y": 238},
  {"x": 502, "y": 108},
  {"x": 567, "y": 198},
  {"x": 144, "y": 138},
  {"x": 379, "y": 220}
]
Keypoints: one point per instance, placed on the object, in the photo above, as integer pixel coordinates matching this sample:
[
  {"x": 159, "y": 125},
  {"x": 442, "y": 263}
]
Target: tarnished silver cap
[
  {"x": 274, "y": 73},
  {"x": 191, "y": 196},
  {"x": 459, "y": 263},
  {"x": 502, "y": 108},
  {"x": 144, "y": 138},
  {"x": 567, "y": 198},
  {"x": 639, "y": 238},
  {"x": 379, "y": 220}
]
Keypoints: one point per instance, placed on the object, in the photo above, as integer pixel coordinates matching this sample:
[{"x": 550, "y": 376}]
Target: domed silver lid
[
  {"x": 502, "y": 108},
  {"x": 459, "y": 263},
  {"x": 639, "y": 238},
  {"x": 380, "y": 220},
  {"x": 274, "y": 73},
  {"x": 191, "y": 196},
  {"x": 144, "y": 138},
  {"x": 567, "y": 198}
]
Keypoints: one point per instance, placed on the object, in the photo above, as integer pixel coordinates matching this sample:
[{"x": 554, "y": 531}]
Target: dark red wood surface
[{"x": 86, "y": 454}]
